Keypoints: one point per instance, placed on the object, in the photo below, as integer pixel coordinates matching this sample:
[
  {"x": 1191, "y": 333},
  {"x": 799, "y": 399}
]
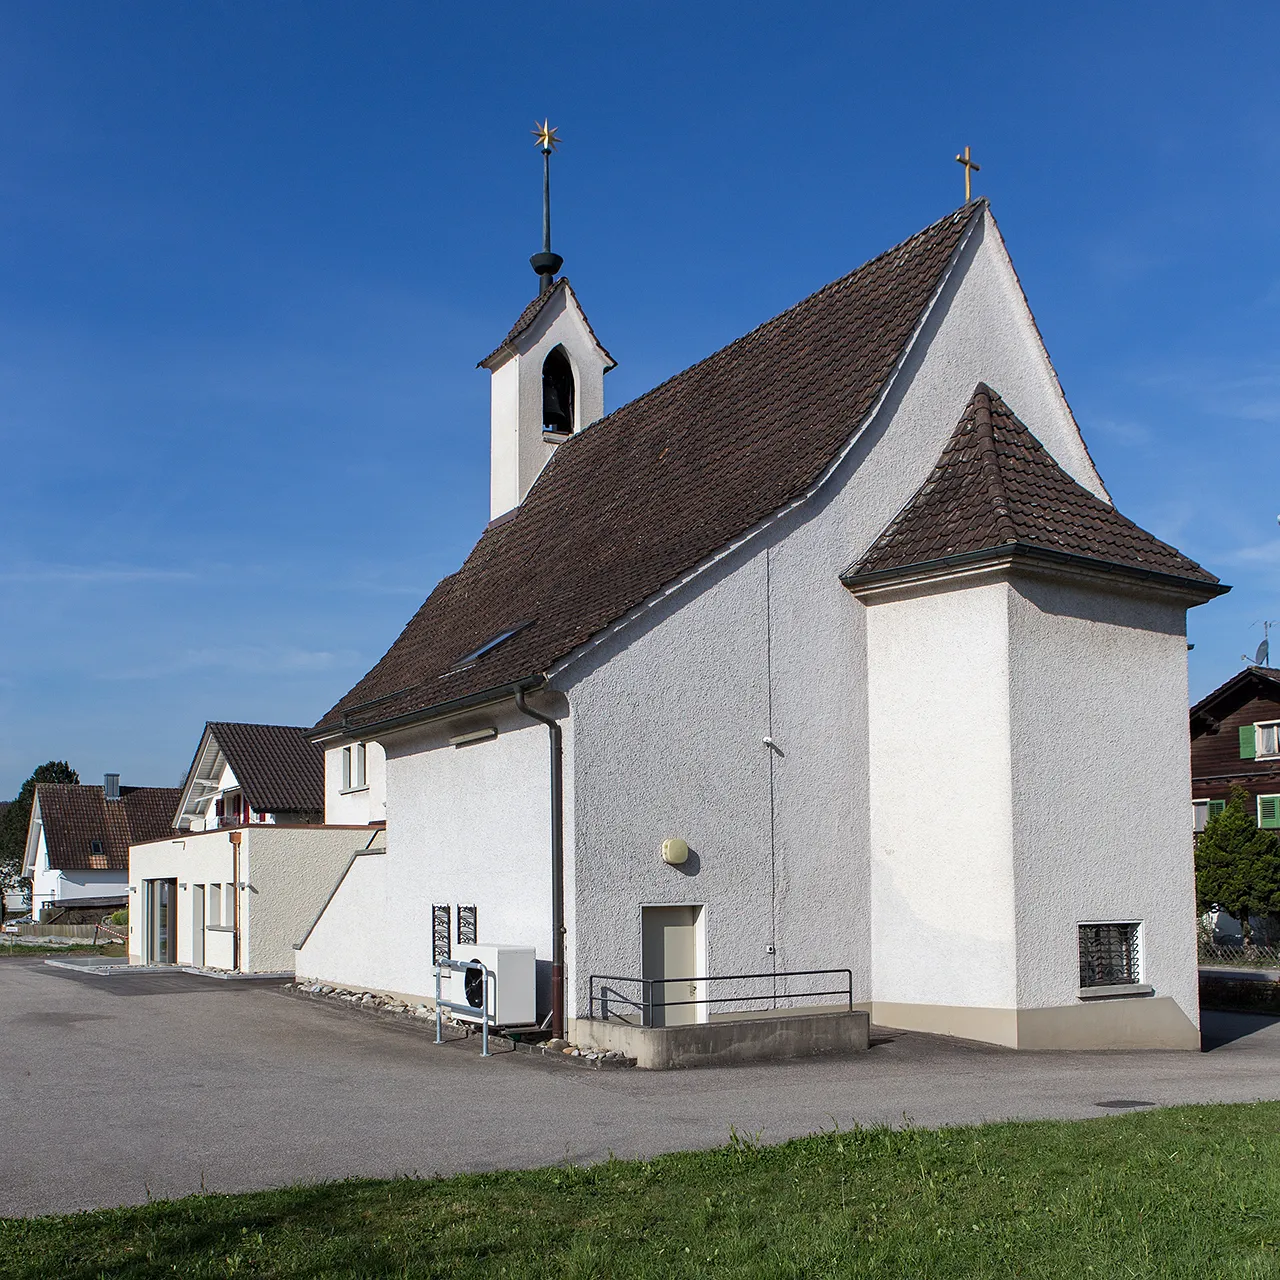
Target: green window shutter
[
  {"x": 1269, "y": 811},
  {"x": 1247, "y": 749},
  {"x": 1216, "y": 807}
]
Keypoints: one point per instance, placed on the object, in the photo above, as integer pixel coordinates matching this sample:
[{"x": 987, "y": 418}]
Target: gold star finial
[{"x": 548, "y": 138}]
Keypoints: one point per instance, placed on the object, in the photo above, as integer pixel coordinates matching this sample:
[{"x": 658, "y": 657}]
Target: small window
[
  {"x": 215, "y": 904},
  {"x": 1269, "y": 811},
  {"x": 557, "y": 393},
  {"x": 353, "y": 767},
  {"x": 440, "y": 913},
  {"x": 1108, "y": 955},
  {"x": 1203, "y": 810},
  {"x": 95, "y": 846},
  {"x": 1267, "y": 738}
]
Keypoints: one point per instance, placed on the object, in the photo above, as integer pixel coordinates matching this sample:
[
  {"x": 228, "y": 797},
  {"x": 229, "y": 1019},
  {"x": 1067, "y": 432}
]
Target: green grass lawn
[{"x": 1192, "y": 1191}]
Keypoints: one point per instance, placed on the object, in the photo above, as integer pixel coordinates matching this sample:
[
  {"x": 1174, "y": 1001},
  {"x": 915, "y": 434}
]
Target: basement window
[
  {"x": 470, "y": 659},
  {"x": 1109, "y": 955}
]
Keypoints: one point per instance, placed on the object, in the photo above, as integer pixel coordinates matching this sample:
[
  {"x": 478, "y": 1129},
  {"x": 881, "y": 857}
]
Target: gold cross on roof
[
  {"x": 548, "y": 138},
  {"x": 970, "y": 168}
]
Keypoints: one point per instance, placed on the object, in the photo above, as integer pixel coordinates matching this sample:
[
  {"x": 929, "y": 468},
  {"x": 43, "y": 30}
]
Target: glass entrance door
[{"x": 162, "y": 923}]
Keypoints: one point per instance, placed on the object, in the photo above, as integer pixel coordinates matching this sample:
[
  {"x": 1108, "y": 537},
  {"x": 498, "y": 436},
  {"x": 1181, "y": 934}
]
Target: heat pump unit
[{"x": 512, "y": 989}]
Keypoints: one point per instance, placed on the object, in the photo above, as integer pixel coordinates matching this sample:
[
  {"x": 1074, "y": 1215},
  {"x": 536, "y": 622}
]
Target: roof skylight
[{"x": 470, "y": 659}]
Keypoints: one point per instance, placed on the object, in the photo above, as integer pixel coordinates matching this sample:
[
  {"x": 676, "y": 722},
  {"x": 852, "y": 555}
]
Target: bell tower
[{"x": 547, "y": 377}]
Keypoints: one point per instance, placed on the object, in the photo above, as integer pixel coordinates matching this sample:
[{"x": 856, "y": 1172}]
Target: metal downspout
[
  {"x": 235, "y": 838},
  {"x": 557, "y": 861}
]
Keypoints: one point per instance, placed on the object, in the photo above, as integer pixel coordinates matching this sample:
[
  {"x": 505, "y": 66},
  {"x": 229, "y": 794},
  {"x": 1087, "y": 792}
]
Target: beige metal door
[
  {"x": 197, "y": 925},
  {"x": 670, "y": 958}
]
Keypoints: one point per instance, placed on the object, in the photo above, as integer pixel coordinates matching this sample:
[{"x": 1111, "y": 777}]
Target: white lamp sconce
[{"x": 675, "y": 852}]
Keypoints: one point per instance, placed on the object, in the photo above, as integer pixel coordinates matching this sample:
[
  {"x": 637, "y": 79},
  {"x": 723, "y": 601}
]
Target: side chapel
[{"x": 831, "y": 652}]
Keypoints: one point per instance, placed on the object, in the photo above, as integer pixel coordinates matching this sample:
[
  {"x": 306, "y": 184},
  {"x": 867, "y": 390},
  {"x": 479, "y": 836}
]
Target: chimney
[{"x": 111, "y": 786}]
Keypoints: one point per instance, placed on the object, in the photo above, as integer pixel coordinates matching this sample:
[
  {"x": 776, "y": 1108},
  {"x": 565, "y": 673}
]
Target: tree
[
  {"x": 15, "y": 819},
  {"x": 1238, "y": 864}
]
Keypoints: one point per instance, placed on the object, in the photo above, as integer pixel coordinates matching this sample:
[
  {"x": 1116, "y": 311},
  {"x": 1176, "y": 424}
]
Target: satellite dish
[{"x": 1263, "y": 656}]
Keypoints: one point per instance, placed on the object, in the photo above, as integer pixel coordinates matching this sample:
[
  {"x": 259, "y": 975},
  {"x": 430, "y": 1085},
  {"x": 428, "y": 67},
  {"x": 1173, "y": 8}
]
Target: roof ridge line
[
  {"x": 984, "y": 429},
  {"x": 968, "y": 210}
]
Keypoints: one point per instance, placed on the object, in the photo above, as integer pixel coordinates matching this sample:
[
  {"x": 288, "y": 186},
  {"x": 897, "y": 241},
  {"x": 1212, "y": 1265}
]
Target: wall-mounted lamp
[
  {"x": 674, "y": 851},
  {"x": 476, "y": 735}
]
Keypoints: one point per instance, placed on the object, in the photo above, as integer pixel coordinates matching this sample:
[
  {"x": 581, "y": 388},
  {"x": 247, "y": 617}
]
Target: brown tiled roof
[
  {"x": 75, "y": 815},
  {"x": 279, "y": 769},
  {"x": 643, "y": 495},
  {"x": 995, "y": 487},
  {"x": 530, "y": 314}
]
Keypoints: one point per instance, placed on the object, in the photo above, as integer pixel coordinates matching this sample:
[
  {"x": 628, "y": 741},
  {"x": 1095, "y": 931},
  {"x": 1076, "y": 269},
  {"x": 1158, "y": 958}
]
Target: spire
[{"x": 546, "y": 263}]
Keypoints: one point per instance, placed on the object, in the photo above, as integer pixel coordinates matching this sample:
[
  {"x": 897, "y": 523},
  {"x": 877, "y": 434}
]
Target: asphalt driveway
[{"x": 116, "y": 1089}]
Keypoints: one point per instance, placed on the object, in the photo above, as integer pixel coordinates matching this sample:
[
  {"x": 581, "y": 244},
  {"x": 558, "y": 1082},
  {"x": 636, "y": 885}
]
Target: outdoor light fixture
[
  {"x": 674, "y": 851},
  {"x": 476, "y": 735}
]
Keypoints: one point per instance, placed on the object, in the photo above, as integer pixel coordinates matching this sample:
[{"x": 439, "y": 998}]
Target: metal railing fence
[
  {"x": 603, "y": 998},
  {"x": 1238, "y": 955}
]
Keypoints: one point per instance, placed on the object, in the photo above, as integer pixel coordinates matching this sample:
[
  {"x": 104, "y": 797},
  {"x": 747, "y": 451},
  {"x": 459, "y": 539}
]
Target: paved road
[{"x": 117, "y": 1088}]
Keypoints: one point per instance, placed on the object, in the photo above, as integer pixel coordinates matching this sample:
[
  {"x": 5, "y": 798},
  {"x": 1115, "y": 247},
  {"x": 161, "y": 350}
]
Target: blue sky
[{"x": 251, "y": 253}]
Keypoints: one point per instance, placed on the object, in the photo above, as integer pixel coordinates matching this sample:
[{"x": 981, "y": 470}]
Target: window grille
[
  {"x": 439, "y": 932},
  {"x": 466, "y": 925},
  {"x": 1108, "y": 955}
]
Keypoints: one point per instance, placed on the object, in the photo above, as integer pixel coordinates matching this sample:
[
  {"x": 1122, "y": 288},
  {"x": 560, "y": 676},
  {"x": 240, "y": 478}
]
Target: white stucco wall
[
  {"x": 942, "y": 886},
  {"x": 518, "y": 449},
  {"x": 286, "y": 872},
  {"x": 467, "y": 825},
  {"x": 727, "y": 660},
  {"x": 1101, "y": 777},
  {"x": 363, "y": 804}
]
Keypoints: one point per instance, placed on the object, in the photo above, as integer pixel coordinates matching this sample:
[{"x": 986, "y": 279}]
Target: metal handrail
[
  {"x": 462, "y": 966},
  {"x": 647, "y": 1004}
]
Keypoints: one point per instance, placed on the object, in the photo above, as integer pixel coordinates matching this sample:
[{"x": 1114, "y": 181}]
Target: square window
[
  {"x": 1108, "y": 955},
  {"x": 1268, "y": 738}
]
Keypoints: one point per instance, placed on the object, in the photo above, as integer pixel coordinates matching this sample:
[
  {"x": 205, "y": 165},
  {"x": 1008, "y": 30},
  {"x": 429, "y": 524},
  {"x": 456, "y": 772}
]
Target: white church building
[{"x": 830, "y": 653}]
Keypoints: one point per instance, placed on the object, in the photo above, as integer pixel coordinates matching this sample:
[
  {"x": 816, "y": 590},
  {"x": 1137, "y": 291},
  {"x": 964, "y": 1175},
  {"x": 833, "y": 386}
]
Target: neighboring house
[
  {"x": 831, "y": 652},
  {"x": 252, "y": 773},
  {"x": 249, "y": 863},
  {"x": 1235, "y": 742},
  {"x": 78, "y": 837}
]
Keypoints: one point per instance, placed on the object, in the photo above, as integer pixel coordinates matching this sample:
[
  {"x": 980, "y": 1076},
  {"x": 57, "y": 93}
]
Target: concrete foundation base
[
  {"x": 1136, "y": 1022},
  {"x": 717, "y": 1043}
]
